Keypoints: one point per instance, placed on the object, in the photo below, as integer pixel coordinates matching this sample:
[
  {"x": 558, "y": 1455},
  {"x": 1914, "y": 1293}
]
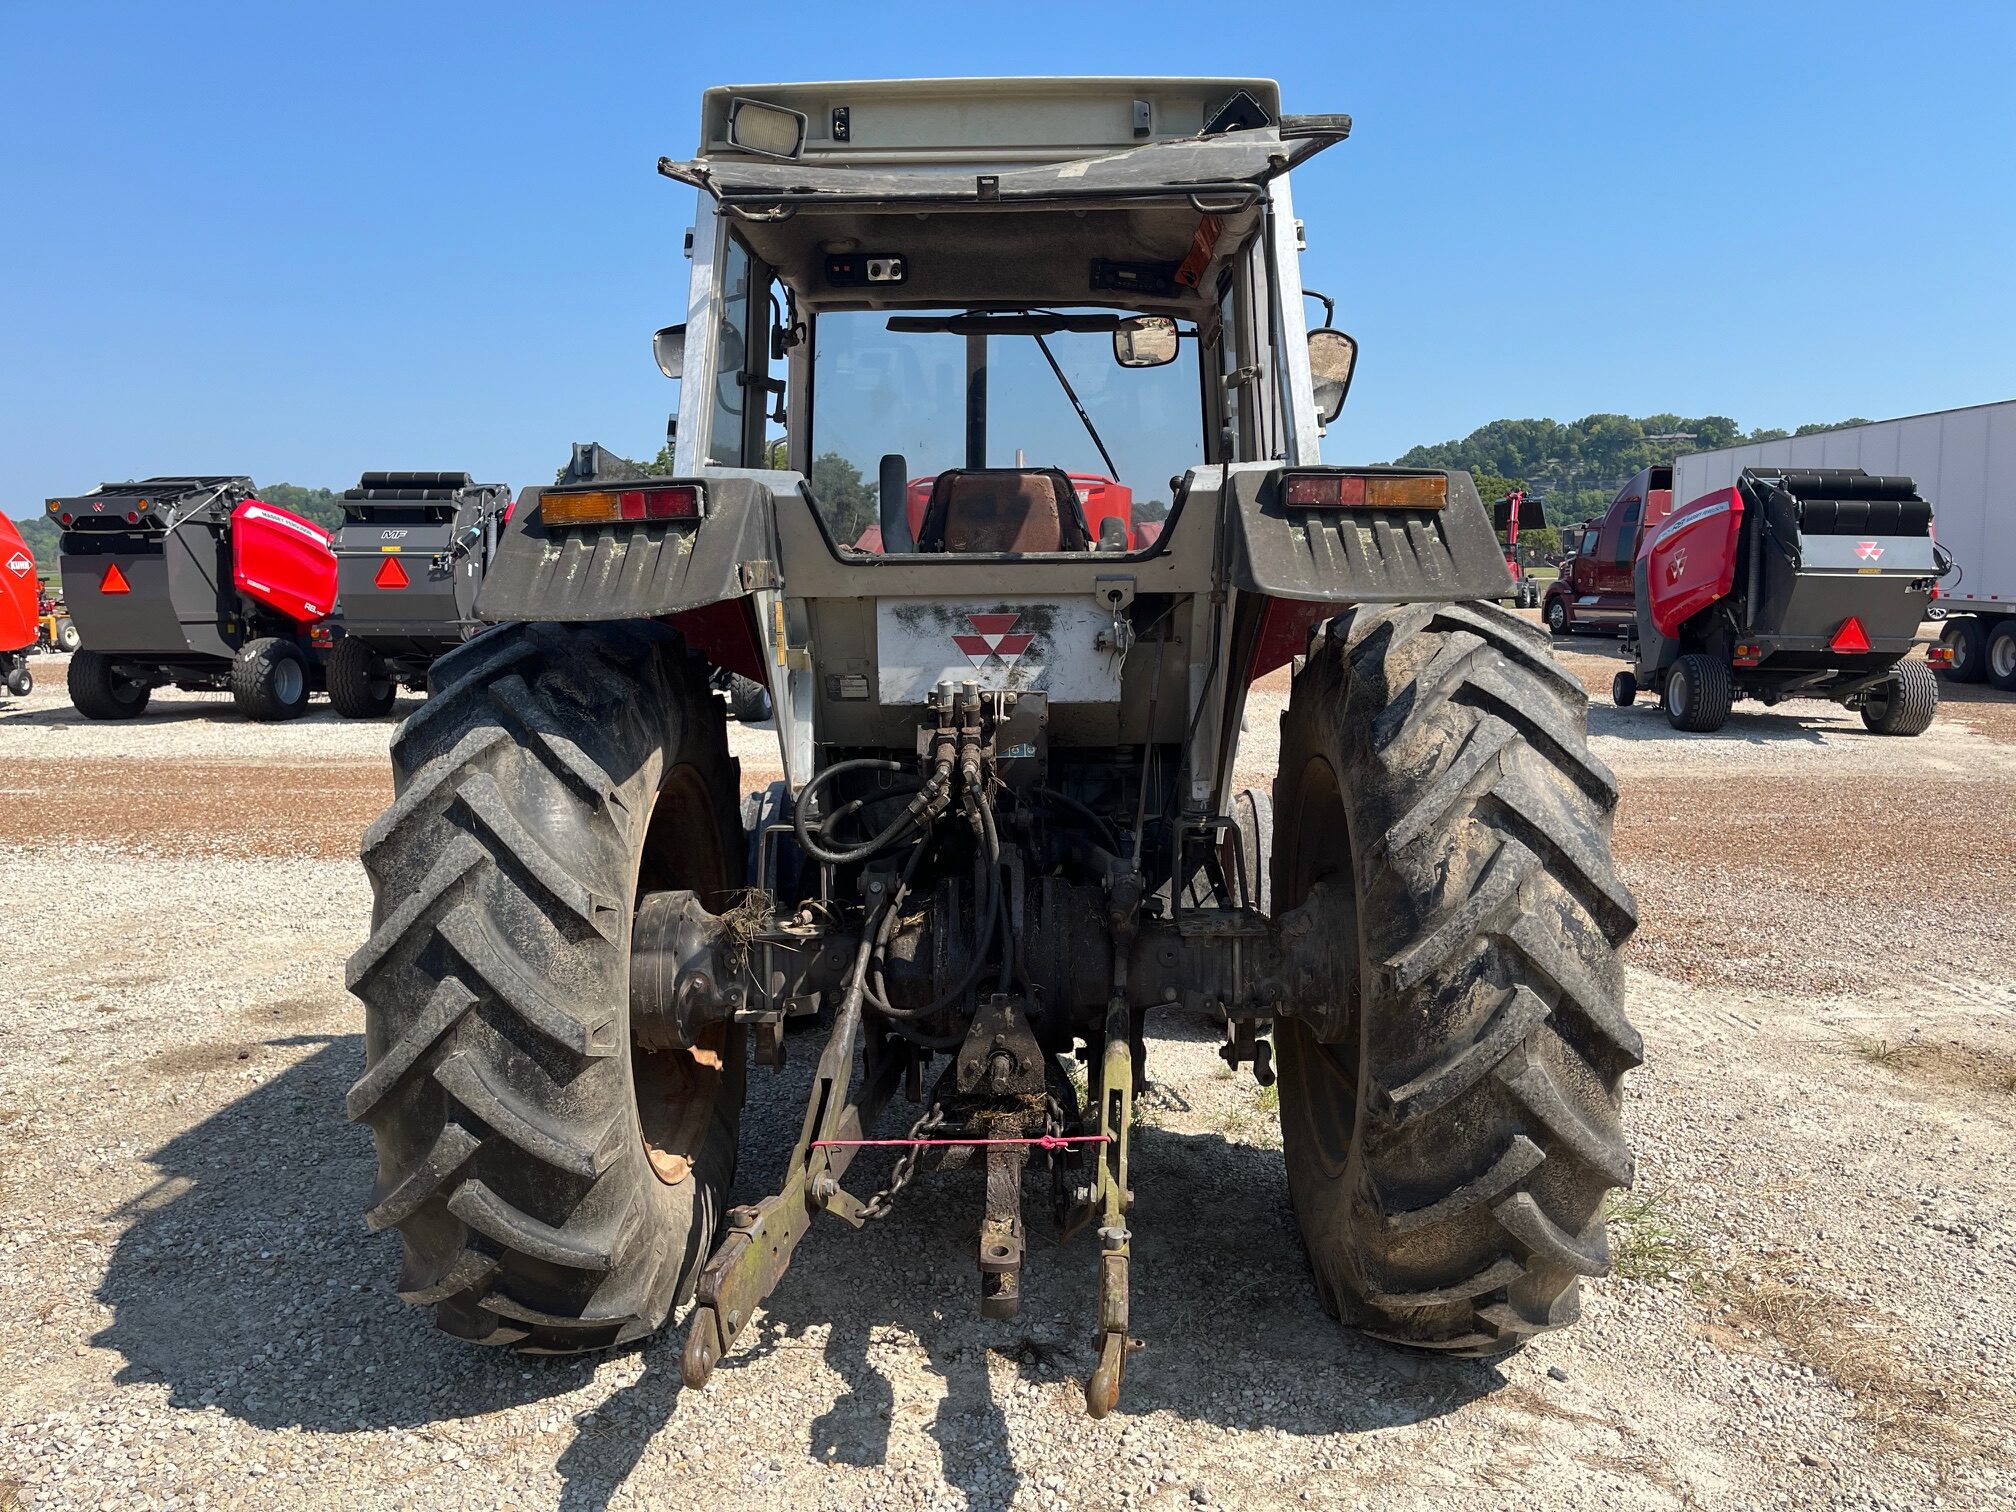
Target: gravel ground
[{"x": 1813, "y": 1305}]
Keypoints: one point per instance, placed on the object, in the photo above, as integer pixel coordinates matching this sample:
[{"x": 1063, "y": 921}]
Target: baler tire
[
  {"x": 1450, "y": 1147},
  {"x": 1624, "y": 689},
  {"x": 269, "y": 680},
  {"x": 1998, "y": 663},
  {"x": 359, "y": 686},
  {"x": 67, "y": 638},
  {"x": 101, "y": 693},
  {"x": 1705, "y": 694},
  {"x": 1910, "y": 699},
  {"x": 1560, "y": 618},
  {"x": 1967, "y": 638},
  {"x": 748, "y": 700},
  {"x": 556, "y": 1190},
  {"x": 20, "y": 681}
]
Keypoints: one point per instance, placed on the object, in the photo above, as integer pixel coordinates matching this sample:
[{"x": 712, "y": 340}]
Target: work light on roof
[{"x": 769, "y": 129}]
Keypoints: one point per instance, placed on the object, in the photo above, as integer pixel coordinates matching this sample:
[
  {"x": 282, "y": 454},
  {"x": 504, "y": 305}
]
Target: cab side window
[{"x": 1624, "y": 547}]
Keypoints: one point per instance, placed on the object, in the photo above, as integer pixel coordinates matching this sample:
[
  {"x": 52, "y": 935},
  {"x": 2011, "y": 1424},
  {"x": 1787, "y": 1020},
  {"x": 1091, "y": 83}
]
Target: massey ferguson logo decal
[
  {"x": 1676, "y": 565},
  {"x": 993, "y": 639},
  {"x": 19, "y": 565},
  {"x": 1868, "y": 550}
]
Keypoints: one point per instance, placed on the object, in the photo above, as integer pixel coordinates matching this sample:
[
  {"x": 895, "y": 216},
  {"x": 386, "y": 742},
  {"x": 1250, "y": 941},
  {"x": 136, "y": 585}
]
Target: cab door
[{"x": 1617, "y": 544}]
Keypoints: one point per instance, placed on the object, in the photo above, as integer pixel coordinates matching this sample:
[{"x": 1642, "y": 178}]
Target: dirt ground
[{"x": 1814, "y": 1305}]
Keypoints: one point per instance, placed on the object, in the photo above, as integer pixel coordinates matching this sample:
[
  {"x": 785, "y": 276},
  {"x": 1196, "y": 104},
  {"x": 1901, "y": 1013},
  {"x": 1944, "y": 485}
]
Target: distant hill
[{"x": 1580, "y": 464}]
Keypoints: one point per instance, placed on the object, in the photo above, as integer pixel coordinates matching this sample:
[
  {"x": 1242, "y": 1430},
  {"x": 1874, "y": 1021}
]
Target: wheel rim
[
  {"x": 2002, "y": 656},
  {"x": 289, "y": 683},
  {"x": 1557, "y": 615},
  {"x": 1677, "y": 693},
  {"x": 676, "y": 1090}
]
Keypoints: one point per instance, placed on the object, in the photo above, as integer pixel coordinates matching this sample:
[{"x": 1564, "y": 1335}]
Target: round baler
[
  {"x": 196, "y": 583},
  {"x": 20, "y": 623},
  {"x": 411, "y": 553},
  {"x": 1806, "y": 584}
]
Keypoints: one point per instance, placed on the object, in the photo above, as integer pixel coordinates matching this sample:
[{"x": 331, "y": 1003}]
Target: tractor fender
[
  {"x": 639, "y": 570},
  {"x": 1363, "y": 555}
]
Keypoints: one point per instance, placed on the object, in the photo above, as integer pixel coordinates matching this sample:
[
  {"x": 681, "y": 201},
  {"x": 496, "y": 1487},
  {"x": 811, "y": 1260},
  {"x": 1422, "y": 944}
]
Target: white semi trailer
[{"x": 1964, "y": 461}]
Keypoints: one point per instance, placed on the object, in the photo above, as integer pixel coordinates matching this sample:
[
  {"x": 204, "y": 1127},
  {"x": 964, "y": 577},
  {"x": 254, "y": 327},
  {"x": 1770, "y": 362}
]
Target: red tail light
[
  {"x": 1747, "y": 654},
  {"x": 391, "y": 575},
  {"x": 601, "y": 506},
  {"x": 1938, "y": 656},
  {"x": 1850, "y": 639}
]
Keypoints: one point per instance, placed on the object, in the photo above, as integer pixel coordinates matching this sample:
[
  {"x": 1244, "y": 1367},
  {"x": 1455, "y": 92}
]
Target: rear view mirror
[
  {"x": 1332, "y": 356},
  {"x": 669, "y": 347},
  {"x": 1144, "y": 341}
]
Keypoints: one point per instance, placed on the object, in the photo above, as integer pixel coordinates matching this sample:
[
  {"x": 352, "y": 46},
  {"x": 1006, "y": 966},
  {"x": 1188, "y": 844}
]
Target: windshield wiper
[{"x": 1072, "y": 394}]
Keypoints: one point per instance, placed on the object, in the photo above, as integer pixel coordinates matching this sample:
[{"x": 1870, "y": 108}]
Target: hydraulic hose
[{"x": 926, "y": 797}]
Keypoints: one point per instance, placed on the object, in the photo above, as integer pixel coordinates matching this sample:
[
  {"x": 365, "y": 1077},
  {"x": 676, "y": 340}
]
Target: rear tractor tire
[
  {"x": 557, "y": 1188},
  {"x": 360, "y": 684},
  {"x": 1905, "y": 704},
  {"x": 269, "y": 680},
  {"x": 99, "y": 692},
  {"x": 1698, "y": 694},
  {"x": 1451, "y": 1117}
]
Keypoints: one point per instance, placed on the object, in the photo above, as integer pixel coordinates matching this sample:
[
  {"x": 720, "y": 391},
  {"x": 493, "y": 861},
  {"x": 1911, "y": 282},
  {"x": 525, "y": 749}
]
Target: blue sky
[{"x": 300, "y": 241}]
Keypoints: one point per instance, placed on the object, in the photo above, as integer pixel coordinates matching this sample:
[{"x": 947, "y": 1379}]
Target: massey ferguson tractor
[
  {"x": 1007, "y": 835},
  {"x": 195, "y": 583},
  {"x": 1807, "y": 584}
]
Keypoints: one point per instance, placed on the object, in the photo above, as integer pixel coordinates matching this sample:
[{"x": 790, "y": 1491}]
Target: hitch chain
[{"x": 878, "y": 1206}]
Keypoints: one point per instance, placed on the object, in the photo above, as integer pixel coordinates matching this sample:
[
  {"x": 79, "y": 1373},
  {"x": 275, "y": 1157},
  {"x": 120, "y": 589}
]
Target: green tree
[
  {"x": 322, "y": 505},
  {"x": 846, "y": 501}
]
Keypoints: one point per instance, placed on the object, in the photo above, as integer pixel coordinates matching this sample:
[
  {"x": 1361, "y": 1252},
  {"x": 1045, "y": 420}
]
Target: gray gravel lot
[{"x": 1814, "y": 1304}]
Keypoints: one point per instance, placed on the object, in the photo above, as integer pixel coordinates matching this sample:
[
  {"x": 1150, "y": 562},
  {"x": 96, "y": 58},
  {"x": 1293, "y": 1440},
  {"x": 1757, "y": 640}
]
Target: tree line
[{"x": 1578, "y": 466}]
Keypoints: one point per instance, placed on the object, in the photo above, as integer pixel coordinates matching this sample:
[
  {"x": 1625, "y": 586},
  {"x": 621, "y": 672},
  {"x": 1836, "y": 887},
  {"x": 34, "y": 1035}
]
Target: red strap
[{"x": 1041, "y": 1141}]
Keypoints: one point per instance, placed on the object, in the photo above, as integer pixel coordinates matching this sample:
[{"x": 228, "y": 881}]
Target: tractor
[{"x": 1007, "y": 835}]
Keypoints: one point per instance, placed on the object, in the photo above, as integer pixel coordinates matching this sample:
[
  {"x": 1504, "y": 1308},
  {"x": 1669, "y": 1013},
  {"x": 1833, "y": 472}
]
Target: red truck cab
[{"x": 1594, "y": 588}]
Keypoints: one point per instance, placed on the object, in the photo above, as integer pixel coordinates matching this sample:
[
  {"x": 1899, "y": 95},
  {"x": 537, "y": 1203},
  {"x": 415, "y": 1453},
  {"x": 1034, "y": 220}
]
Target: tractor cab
[{"x": 965, "y": 332}]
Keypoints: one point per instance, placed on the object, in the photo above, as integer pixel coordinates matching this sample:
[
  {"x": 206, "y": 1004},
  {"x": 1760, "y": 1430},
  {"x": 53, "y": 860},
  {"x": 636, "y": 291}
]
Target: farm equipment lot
[{"x": 1812, "y": 1304}]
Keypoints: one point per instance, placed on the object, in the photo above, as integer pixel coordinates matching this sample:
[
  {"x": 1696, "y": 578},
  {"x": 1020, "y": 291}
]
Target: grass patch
[
  {"x": 1883, "y": 1052},
  {"x": 1651, "y": 1241},
  {"x": 1267, "y": 1099}
]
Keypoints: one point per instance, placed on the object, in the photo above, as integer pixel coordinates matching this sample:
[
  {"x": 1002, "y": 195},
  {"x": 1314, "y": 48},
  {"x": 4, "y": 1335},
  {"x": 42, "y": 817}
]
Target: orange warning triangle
[
  {"x": 114, "y": 580},
  {"x": 391, "y": 575}
]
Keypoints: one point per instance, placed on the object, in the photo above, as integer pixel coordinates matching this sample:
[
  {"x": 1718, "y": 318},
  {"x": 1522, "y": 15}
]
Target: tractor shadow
[{"x": 244, "y": 1282}]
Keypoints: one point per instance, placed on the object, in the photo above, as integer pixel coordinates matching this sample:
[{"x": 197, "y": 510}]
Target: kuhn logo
[
  {"x": 19, "y": 564},
  {"x": 994, "y": 639},
  {"x": 1868, "y": 550}
]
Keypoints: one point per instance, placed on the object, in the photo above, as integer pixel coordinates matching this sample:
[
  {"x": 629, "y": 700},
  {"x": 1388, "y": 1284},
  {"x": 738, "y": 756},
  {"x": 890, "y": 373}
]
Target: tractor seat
[{"x": 1003, "y": 509}]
